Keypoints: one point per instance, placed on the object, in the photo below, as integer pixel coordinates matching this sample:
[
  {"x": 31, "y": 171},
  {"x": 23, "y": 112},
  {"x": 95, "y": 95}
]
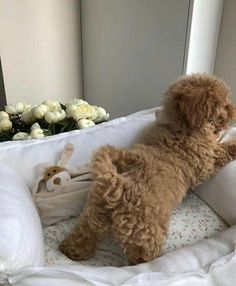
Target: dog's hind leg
[
  {"x": 141, "y": 239},
  {"x": 109, "y": 166},
  {"x": 81, "y": 243},
  {"x": 104, "y": 195},
  {"x": 141, "y": 223},
  {"x": 93, "y": 225}
]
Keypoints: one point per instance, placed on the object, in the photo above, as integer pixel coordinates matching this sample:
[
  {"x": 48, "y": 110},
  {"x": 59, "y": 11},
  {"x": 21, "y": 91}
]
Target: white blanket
[
  {"x": 192, "y": 221},
  {"x": 210, "y": 262}
]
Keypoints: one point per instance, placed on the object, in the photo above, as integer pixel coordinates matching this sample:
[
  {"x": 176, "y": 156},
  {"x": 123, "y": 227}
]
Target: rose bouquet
[{"x": 21, "y": 121}]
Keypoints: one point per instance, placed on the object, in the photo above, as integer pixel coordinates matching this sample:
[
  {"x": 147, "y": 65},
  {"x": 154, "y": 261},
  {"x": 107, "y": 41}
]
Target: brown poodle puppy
[{"x": 136, "y": 189}]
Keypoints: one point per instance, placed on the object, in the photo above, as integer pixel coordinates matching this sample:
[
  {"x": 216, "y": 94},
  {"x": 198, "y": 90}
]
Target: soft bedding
[
  {"x": 21, "y": 238},
  {"x": 208, "y": 262},
  {"x": 220, "y": 192},
  {"x": 192, "y": 221}
]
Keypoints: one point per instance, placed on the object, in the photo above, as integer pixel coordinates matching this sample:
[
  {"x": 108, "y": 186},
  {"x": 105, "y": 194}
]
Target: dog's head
[{"x": 199, "y": 100}]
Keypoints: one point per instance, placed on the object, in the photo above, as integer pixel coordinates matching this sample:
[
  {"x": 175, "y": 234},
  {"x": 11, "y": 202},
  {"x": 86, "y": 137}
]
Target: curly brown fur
[{"x": 136, "y": 189}]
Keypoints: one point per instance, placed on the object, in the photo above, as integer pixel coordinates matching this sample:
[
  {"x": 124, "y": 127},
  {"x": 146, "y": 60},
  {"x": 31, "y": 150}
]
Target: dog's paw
[
  {"x": 77, "y": 248},
  {"x": 232, "y": 149}
]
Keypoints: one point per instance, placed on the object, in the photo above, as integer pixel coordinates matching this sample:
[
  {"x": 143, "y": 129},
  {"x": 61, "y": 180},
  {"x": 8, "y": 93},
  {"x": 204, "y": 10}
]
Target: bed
[{"x": 200, "y": 249}]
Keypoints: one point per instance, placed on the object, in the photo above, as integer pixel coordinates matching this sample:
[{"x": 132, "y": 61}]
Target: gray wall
[
  {"x": 132, "y": 50},
  {"x": 225, "y": 66}
]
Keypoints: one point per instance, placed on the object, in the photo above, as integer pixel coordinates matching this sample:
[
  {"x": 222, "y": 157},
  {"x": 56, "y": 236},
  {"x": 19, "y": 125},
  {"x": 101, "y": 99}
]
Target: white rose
[
  {"x": 17, "y": 108},
  {"x": 79, "y": 101},
  {"x": 20, "y": 136},
  {"x": 82, "y": 111},
  {"x": 76, "y": 101},
  {"x": 101, "y": 115},
  {"x": 37, "y": 133},
  {"x": 5, "y": 124},
  {"x": 71, "y": 110},
  {"x": 54, "y": 117},
  {"x": 106, "y": 117},
  {"x": 94, "y": 113},
  {"x": 27, "y": 117},
  {"x": 62, "y": 115},
  {"x": 28, "y": 137},
  {"x": 84, "y": 123},
  {"x": 51, "y": 117},
  {"x": 39, "y": 111},
  {"x": 27, "y": 106},
  {"x": 3, "y": 114},
  {"x": 52, "y": 105},
  {"x": 35, "y": 126},
  {"x": 10, "y": 109}
]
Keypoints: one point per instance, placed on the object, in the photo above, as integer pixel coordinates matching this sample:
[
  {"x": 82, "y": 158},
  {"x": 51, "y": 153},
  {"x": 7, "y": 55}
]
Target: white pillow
[
  {"x": 21, "y": 238},
  {"x": 220, "y": 192}
]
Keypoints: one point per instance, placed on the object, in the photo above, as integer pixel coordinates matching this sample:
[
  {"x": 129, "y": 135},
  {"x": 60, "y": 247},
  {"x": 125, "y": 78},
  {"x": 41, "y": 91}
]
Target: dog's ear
[
  {"x": 195, "y": 109},
  {"x": 197, "y": 99}
]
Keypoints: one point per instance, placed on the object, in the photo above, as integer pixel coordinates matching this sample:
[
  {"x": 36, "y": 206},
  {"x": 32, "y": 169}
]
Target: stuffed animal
[
  {"x": 59, "y": 190},
  {"x": 59, "y": 174},
  {"x": 56, "y": 176}
]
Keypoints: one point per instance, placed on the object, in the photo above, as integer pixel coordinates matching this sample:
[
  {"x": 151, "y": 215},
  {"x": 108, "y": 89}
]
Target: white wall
[
  {"x": 226, "y": 53},
  {"x": 40, "y": 49},
  {"x": 206, "y": 18}
]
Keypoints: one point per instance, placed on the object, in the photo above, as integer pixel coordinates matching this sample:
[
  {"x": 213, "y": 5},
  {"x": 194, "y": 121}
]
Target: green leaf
[
  {"x": 63, "y": 106},
  {"x": 47, "y": 132},
  {"x": 5, "y": 136}
]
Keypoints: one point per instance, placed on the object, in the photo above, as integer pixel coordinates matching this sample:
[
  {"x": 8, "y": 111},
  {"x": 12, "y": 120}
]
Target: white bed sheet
[
  {"x": 211, "y": 262},
  {"x": 192, "y": 221}
]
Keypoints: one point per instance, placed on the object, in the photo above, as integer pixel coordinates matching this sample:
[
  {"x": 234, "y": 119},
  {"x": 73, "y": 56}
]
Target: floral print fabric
[{"x": 192, "y": 221}]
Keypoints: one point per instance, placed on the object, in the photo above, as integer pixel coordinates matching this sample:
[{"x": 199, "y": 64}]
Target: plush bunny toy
[
  {"x": 56, "y": 176},
  {"x": 59, "y": 174},
  {"x": 60, "y": 189}
]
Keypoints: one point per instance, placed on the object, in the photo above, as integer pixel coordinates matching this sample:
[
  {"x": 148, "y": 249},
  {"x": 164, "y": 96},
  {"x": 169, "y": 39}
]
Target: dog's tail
[{"x": 110, "y": 168}]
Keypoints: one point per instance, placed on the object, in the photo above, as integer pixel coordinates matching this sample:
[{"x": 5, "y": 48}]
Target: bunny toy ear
[
  {"x": 82, "y": 170},
  {"x": 40, "y": 169},
  {"x": 66, "y": 154}
]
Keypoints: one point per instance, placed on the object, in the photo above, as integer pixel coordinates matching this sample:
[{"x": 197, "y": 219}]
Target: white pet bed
[
  {"x": 192, "y": 221},
  {"x": 29, "y": 254}
]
